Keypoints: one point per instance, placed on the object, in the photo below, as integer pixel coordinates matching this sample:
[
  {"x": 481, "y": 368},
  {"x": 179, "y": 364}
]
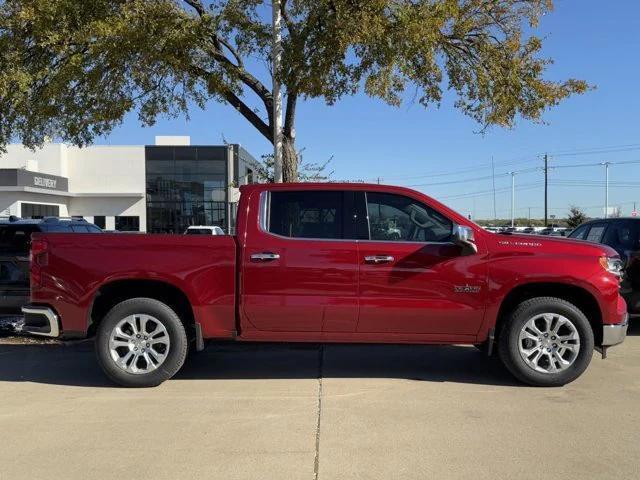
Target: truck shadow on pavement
[{"x": 74, "y": 364}]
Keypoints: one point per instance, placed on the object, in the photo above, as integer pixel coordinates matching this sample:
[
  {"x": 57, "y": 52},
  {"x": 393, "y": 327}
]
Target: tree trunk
[{"x": 289, "y": 159}]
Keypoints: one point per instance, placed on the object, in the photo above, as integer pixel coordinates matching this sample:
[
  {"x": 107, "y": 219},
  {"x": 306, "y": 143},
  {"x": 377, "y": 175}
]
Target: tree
[
  {"x": 74, "y": 69},
  {"x": 576, "y": 217},
  {"x": 307, "y": 171}
]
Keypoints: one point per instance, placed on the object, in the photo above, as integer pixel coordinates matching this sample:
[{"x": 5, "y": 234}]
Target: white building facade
[{"x": 116, "y": 186}]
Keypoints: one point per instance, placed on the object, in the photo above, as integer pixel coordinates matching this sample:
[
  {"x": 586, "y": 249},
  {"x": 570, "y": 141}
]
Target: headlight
[{"x": 612, "y": 265}]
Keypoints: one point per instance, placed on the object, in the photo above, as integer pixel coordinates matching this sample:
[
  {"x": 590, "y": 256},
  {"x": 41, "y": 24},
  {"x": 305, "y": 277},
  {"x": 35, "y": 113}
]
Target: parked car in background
[
  {"x": 330, "y": 262},
  {"x": 204, "y": 230},
  {"x": 553, "y": 231},
  {"x": 623, "y": 235},
  {"x": 15, "y": 242}
]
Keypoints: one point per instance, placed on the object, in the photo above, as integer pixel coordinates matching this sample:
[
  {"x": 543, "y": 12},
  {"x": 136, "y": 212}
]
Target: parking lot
[{"x": 306, "y": 411}]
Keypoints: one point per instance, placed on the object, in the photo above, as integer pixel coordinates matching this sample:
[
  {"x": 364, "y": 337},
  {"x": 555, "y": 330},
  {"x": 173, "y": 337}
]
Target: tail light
[{"x": 39, "y": 257}]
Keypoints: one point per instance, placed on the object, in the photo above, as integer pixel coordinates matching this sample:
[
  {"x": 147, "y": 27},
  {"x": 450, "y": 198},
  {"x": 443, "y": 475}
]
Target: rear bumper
[
  {"x": 39, "y": 320},
  {"x": 615, "y": 334}
]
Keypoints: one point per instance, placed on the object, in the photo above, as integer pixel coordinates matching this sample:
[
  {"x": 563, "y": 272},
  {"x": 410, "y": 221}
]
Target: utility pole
[
  {"x": 606, "y": 189},
  {"x": 546, "y": 187},
  {"x": 493, "y": 176},
  {"x": 276, "y": 52},
  {"x": 513, "y": 198}
]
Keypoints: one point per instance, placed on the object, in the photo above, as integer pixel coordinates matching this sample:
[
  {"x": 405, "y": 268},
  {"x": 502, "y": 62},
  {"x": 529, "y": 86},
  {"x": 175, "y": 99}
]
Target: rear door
[
  {"x": 300, "y": 263},
  {"x": 413, "y": 279}
]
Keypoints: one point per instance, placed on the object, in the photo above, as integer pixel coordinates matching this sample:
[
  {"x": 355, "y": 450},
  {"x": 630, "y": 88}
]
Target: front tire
[
  {"x": 141, "y": 342},
  {"x": 546, "y": 342}
]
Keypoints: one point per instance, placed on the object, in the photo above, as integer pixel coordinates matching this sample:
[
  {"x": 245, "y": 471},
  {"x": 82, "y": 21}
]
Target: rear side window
[
  {"x": 308, "y": 214},
  {"x": 595, "y": 233},
  {"x": 16, "y": 239},
  {"x": 580, "y": 233}
]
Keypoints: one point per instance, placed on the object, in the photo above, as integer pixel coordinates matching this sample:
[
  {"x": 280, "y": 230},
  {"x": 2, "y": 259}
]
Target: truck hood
[{"x": 549, "y": 245}]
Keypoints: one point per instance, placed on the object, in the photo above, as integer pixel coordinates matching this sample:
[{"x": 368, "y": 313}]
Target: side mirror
[{"x": 464, "y": 237}]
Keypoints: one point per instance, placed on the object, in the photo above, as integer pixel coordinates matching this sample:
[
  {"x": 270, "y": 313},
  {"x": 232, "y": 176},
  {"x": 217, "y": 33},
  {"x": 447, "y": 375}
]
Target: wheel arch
[
  {"x": 116, "y": 291},
  {"x": 576, "y": 295}
]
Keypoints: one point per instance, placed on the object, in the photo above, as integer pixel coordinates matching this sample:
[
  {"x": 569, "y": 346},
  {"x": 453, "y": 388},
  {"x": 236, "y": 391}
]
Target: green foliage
[
  {"x": 73, "y": 69},
  {"x": 576, "y": 216}
]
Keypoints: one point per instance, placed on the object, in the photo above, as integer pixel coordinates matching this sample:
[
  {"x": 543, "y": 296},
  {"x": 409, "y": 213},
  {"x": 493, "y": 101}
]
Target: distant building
[{"x": 156, "y": 188}]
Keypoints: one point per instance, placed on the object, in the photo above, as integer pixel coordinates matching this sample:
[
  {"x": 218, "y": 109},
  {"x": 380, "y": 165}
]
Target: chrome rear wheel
[{"x": 139, "y": 344}]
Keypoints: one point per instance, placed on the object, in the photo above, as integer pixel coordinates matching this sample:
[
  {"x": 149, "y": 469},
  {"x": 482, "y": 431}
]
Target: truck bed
[{"x": 78, "y": 267}]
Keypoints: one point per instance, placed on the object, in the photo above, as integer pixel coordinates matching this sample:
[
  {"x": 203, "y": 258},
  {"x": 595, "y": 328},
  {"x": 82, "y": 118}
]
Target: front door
[
  {"x": 412, "y": 278},
  {"x": 300, "y": 265}
]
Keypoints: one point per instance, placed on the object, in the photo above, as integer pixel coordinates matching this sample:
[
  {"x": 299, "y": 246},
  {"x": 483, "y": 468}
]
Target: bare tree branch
[
  {"x": 233, "y": 51},
  {"x": 197, "y": 6},
  {"x": 247, "y": 112}
]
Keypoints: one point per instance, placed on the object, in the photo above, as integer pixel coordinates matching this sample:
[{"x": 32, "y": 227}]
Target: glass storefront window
[{"x": 185, "y": 186}]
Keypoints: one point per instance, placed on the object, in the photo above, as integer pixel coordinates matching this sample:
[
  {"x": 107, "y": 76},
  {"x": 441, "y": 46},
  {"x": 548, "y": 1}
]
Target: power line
[{"x": 527, "y": 159}]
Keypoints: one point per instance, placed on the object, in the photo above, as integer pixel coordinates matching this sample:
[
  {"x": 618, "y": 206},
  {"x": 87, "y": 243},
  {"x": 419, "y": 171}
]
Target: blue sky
[{"x": 439, "y": 149}]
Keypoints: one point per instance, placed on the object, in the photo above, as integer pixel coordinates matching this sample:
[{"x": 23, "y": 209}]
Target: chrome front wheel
[
  {"x": 139, "y": 344},
  {"x": 549, "y": 343},
  {"x": 546, "y": 341}
]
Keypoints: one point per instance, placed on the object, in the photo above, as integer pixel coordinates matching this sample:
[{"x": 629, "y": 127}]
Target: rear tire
[
  {"x": 546, "y": 342},
  {"x": 141, "y": 342}
]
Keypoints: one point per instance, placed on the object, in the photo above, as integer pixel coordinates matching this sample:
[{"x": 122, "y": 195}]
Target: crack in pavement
[{"x": 316, "y": 463}]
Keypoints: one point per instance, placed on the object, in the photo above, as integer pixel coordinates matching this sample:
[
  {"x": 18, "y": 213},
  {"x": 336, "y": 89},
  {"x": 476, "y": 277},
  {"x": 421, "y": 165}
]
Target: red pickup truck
[{"x": 330, "y": 263}]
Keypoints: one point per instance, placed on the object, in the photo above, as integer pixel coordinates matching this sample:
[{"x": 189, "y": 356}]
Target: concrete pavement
[{"x": 304, "y": 411}]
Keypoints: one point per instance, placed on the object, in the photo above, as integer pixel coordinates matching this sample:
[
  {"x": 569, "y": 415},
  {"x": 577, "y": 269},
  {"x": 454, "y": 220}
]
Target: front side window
[
  {"x": 622, "y": 235},
  {"x": 308, "y": 214},
  {"x": 399, "y": 218}
]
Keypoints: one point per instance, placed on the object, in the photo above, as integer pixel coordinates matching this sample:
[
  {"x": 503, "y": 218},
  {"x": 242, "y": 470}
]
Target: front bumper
[
  {"x": 39, "y": 320},
  {"x": 615, "y": 334}
]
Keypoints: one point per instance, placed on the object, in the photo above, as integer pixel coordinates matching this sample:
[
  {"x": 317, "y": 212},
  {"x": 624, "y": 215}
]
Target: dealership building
[{"x": 161, "y": 188}]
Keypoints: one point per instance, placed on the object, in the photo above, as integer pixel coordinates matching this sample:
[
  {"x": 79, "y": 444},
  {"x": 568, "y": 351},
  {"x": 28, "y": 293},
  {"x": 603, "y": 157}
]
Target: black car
[
  {"x": 15, "y": 241},
  {"x": 623, "y": 235}
]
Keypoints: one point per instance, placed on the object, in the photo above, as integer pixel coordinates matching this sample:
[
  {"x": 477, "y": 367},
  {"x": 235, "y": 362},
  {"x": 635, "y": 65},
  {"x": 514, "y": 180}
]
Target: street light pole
[
  {"x": 546, "y": 187},
  {"x": 606, "y": 189},
  {"x": 276, "y": 52}
]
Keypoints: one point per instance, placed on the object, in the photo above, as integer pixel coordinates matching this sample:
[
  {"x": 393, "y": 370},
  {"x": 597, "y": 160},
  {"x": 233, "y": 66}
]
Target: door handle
[
  {"x": 265, "y": 256},
  {"x": 376, "y": 259}
]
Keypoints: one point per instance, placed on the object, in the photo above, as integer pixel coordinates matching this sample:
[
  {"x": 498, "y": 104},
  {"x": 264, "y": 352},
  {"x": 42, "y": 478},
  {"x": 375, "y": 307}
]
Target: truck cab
[{"x": 332, "y": 263}]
